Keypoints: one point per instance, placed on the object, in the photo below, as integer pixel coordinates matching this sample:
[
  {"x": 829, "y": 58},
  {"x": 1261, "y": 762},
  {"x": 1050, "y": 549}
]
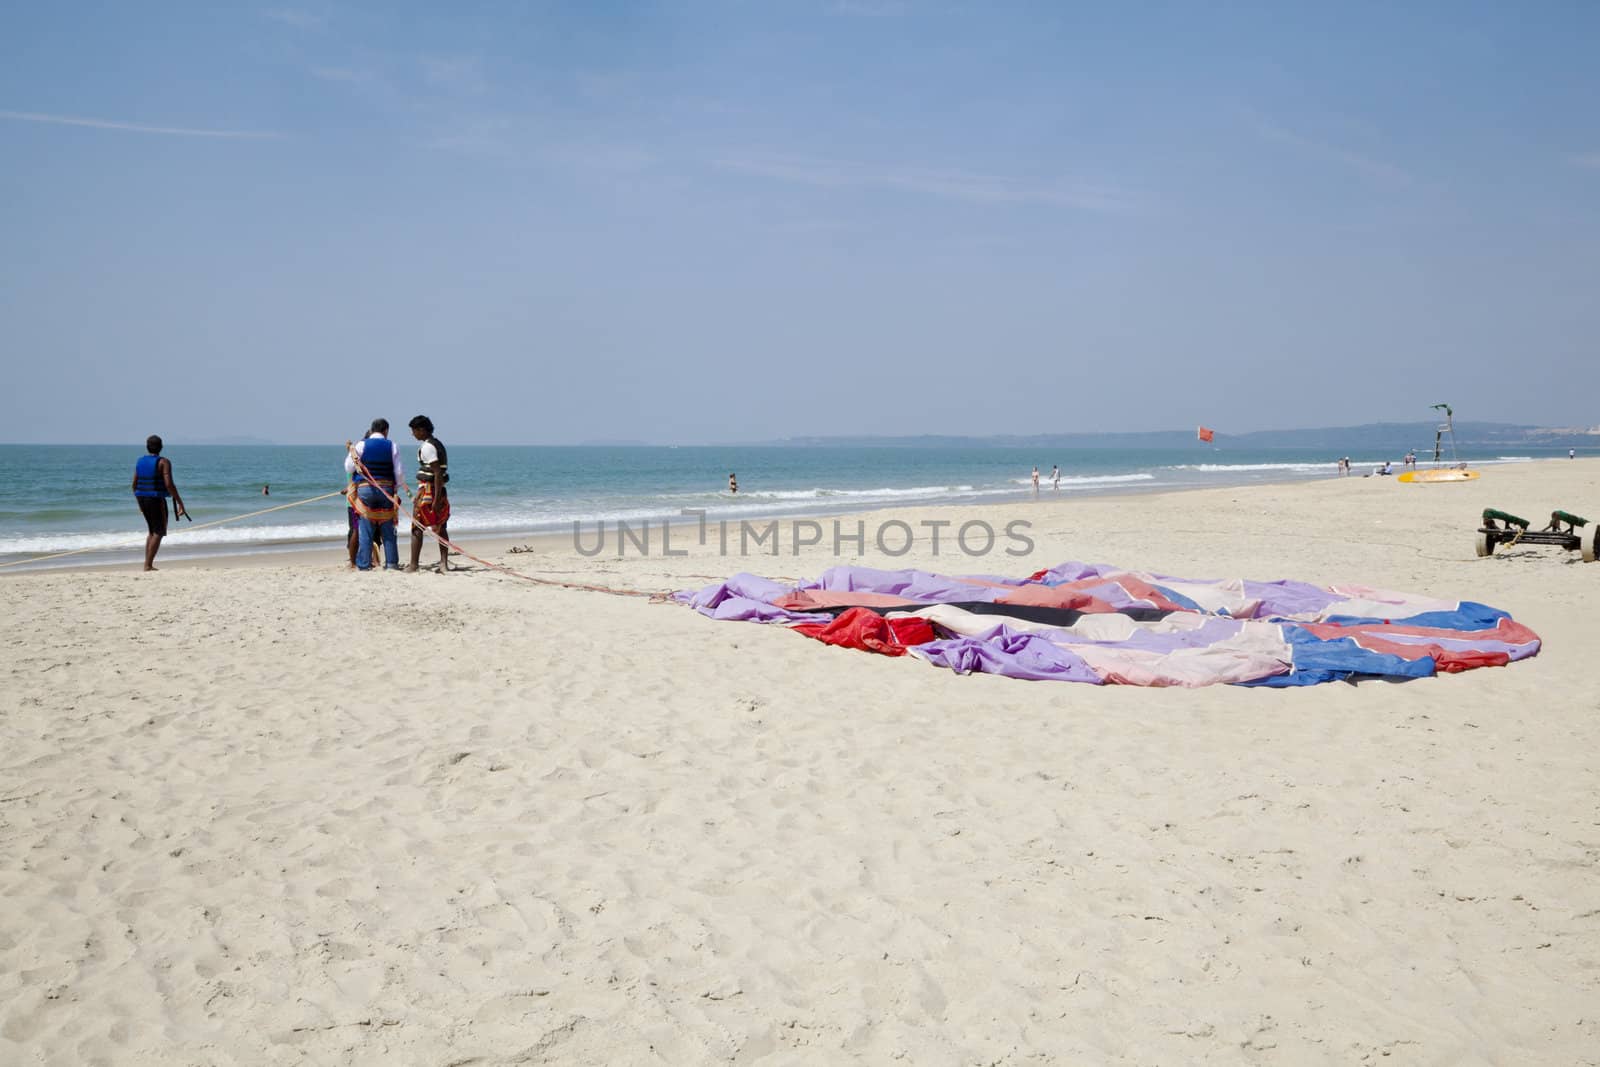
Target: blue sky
[{"x": 722, "y": 220}]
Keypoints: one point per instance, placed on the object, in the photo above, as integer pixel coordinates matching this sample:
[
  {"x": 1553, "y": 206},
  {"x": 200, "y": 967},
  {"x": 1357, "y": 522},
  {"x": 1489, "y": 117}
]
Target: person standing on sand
[
  {"x": 152, "y": 484},
  {"x": 1055, "y": 477},
  {"x": 431, "y": 505},
  {"x": 384, "y": 472},
  {"x": 1036, "y": 482},
  {"x": 353, "y": 539}
]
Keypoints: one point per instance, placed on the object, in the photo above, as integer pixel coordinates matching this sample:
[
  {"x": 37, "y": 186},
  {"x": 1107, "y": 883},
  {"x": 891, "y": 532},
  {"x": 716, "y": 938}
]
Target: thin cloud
[
  {"x": 341, "y": 74},
  {"x": 457, "y": 74},
  {"x": 476, "y": 135},
  {"x": 951, "y": 184},
  {"x": 132, "y": 127},
  {"x": 300, "y": 20},
  {"x": 872, "y": 9},
  {"x": 614, "y": 158},
  {"x": 1370, "y": 166}
]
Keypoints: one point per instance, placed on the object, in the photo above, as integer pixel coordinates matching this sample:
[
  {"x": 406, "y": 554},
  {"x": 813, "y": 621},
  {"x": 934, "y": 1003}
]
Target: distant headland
[{"x": 1381, "y": 435}]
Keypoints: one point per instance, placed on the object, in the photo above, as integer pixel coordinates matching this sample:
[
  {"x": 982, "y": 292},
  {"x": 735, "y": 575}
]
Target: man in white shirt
[
  {"x": 431, "y": 505},
  {"x": 376, "y": 489}
]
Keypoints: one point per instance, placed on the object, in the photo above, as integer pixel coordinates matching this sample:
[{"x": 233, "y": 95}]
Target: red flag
[{"x": 1204, "y": 434}]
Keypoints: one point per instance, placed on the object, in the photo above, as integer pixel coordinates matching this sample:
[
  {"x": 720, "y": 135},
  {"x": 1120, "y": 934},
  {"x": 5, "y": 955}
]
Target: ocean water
[{"x": 57, "y": 498}]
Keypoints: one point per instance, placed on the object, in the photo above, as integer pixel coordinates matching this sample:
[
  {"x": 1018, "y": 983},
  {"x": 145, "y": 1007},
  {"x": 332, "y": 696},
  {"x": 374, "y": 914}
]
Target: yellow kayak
[{"x": 1437, "y": 475}]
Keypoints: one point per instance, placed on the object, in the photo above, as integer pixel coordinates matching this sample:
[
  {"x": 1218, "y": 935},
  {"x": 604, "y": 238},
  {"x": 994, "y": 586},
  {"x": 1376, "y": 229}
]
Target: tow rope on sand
[
  {"x": 203, "y": 526},
  {"x": 394, "y": 498}
]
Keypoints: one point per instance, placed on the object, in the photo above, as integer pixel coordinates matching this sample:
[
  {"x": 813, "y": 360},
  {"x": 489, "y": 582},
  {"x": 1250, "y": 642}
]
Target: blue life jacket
[
  {"x": 147, "y": 480},
  {"x": 377, "y": 455}
]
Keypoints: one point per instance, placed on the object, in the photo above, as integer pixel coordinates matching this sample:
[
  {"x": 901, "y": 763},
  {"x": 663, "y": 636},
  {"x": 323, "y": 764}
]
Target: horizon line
[{"x": 822, "y": 440}]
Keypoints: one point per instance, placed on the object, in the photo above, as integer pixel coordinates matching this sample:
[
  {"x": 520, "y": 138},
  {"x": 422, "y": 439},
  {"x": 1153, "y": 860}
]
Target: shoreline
[
  {"x": 265, "y": 553},
  {"x": 548, "y": 542}
]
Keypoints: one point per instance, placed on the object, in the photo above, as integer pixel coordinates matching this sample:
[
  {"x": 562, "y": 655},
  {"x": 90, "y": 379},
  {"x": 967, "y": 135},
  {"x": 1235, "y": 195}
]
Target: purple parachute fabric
[
  {"x": 745, "y": 598},
  {"x": 1095, "y": 623},
  {"x": 1013, "y": 654}
]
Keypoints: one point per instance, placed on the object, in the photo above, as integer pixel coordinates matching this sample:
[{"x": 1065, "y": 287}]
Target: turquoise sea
[{"x": 61, "y": 497}]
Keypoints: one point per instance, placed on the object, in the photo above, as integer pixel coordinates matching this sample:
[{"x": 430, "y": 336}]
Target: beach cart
[{"x": 1566, "y": 530}]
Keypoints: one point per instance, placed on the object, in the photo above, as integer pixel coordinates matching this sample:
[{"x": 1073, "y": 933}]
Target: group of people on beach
[
  {"x": 1386, "y": 467},
  {"x": 1055, "y": 479},
  {"x": 376, "y": 478},
  {"x": 377, "y": 475}
]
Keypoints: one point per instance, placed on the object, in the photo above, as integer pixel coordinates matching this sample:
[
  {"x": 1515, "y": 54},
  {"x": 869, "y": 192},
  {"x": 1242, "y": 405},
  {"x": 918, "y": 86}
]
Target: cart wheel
[
  {"x": 1586, "y": 541},
  {"x": 1485, "y": 544}
]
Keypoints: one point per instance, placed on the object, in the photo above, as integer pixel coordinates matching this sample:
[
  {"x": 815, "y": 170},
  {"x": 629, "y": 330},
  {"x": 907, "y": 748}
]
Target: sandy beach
[{"x": 280, "y": 813}]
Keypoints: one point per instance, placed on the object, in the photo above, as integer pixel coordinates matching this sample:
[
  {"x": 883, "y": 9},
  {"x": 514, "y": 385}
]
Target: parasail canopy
[{"x": 1085, "y": 622}]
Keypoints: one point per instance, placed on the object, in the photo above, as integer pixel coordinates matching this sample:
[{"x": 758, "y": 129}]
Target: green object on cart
[{"x": 1491, "y": 514}]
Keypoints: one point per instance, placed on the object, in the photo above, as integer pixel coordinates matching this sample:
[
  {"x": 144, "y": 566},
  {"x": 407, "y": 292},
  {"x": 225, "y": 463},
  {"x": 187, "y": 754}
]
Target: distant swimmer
[
  {"x": 733, "y": 483},
  {"x": 266, "y": 490},
  {"x": 152, "y": 485},
  {"x": 1055, "y": 478}
]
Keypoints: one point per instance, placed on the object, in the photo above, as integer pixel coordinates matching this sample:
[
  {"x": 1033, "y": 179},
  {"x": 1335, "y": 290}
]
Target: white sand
[{"x": 286, "y": 814}]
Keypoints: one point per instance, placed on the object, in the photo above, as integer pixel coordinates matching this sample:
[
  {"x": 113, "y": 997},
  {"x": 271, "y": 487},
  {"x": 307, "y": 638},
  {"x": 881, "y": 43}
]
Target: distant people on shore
[
  {"x": 1036, "y": 481},
  {"x": 1343, "y": 463},
  {"x": 1411, "y": 458},
  {"x": 1055, "y": 477},
  {"x": 1385, "y": 468},
  {"x": 152, "y": 485},
  {"x": 733, "y": 483},
  {"x": 1572, "y": 453}
]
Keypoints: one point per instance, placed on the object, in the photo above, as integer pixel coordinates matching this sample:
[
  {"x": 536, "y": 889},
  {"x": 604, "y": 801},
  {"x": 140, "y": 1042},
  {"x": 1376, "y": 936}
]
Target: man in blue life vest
[
  {"x": 152, "y": 485},
  {"x": 375, "y": 488}
]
